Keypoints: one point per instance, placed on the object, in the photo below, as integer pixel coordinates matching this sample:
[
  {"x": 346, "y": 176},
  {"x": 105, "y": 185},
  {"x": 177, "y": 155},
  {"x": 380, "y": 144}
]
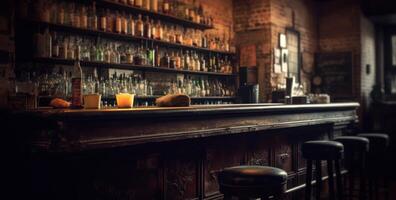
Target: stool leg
[
  {"x": 363, "y": 174},
  {"x": 318, "y": 166},
  {"x": 351, "y": 176},
  {"x": 331, "y": 179},
  {"x": 338, "y": 179},
  {"x": 308, "y": 180}
]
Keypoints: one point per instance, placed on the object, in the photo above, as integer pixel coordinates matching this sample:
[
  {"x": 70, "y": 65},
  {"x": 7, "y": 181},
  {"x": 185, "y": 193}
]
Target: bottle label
[{"x": 76, "y": 92}]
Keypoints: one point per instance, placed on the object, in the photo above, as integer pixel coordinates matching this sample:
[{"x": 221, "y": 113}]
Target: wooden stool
[
  {"x": 356, "y": 149},
  {"x": 247, "y": 182},
  {"x": 319, "y": 150},
  {"x": 376, "y": 159}
]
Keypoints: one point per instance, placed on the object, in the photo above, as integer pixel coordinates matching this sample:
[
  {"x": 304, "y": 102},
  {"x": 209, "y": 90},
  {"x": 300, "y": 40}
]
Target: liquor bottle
[
  {"x": 153, "y": 30},
  {"x": 166, "y": 7},
  {"x": 61, "y": 14},
  {"x": 165, "y": 60},
  {"x": 139, "y": 26},
  {"x": 110, "y": 21},
  {"x": 93, "y": 18},
  {"x": 154, "y": 5},
  {"x": 157, "y": 58},
  {"x": 131, "y": 2},
  {"x": 178, "y": 61},
  {"x": 150, "y": 55},
  {"x": 124, "y": 24},
  {"x": 118, "y": 22},
  {"x": 103, "y": 21},
  {"x": 132, "y": 25},
  {"x": 147, "y": 28},
  {"x": 83, "y": 18},
  {"x": 55, "y": 46},
  {"x": 139, "y": 3},
  {"x": 178, "y": 35},
  {"x": 187, "y": 63},
  {"x": 146, "y": 4},
  {"x": 76, "y": 19},
  {"x": 76, "y": 80},
  {"x": 159, "y": 31},
  {"x": 47, "y": 43},
  {"x": 203, "y": 64},
  {"x": 172, "y": 63}
]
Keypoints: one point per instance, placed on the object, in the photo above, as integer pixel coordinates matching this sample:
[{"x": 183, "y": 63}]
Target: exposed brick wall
[
  {"x": 268, "y": 18},
  {"x": 299, "y": 15}
]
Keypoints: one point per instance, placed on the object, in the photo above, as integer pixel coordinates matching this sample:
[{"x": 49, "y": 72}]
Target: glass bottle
[
  {"x": 147, "y": 28},
  {"x": 83, "y": 18},
  {"x": 146, "y": 4},
  {"x": 166, "y": 7},
  {"x": 153, "y": 30},
  {"x": 159, "y": 31},
  {"x": 93, "y": 18},
  {"x": 76, "y": 19},
  {"x": 154, "y": 5},
  {"x": 139, "y": 26},
  {"x": 118, "y": 22},
  {"x": 131, "y": 26},
  {"x": 103, "y": 21},
  {"x": 76, "y": 80},
  {"x": 124, "y": 24},
  {"x": 139, "y": 3},
  {"x": 131, "y": 2},
  {"x": 61, "y": 14},
  {"x": 110, "y": 21}
]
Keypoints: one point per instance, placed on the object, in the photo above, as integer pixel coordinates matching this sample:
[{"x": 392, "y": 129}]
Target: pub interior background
[{"x": 226, "y": 52}]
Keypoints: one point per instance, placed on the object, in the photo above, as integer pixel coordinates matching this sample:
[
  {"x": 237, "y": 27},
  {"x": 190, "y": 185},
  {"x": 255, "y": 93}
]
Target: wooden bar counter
[{"x": 171, "y": 153}]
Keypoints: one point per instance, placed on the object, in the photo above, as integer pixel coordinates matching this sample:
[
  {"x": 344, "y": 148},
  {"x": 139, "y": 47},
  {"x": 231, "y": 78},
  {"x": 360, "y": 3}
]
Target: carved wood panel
[
  {"x": 221, "y": 153},
  {"x": 181, "y": 173},
  {"x": 259, "y": 149}
]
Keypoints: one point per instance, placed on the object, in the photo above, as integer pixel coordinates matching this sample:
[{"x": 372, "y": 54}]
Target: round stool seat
[
  {"x": 378, "y": 141},
  {"x": 252, "y": 181},
  {"x": 352, "y": 143},
  {"x": 322, "y": 150}
]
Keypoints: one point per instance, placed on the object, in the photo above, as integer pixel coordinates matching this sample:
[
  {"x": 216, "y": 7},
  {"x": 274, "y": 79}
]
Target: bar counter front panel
[{"x": 173, "y": 153}]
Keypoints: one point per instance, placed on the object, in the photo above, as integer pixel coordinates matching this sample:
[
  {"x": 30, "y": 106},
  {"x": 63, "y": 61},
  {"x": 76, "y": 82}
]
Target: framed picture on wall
[
  {"x": 282, "y": 40},
  {"x": 284, "y": 60}
]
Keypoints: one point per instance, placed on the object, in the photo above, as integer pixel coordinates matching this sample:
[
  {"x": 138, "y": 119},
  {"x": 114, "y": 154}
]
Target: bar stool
[
  {"x": 379, "y": 143},
  {"x": 252, "y": 181},
  {"x": 356, "y": 149},
  {"x": 319, "y": 150}
]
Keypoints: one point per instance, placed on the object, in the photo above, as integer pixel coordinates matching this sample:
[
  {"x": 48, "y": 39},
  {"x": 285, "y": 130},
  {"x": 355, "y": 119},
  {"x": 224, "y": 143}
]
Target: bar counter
[
  {"x": 102, "y": 128},
  {"x": 173, "y": 153}
]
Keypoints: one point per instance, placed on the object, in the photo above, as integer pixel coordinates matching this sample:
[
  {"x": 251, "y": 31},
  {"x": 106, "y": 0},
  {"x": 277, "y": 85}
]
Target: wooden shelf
[
  {"x": 151, "y": 14},
  {"x": 124, "y": 37},
  {"x": 126, "y": 66}
]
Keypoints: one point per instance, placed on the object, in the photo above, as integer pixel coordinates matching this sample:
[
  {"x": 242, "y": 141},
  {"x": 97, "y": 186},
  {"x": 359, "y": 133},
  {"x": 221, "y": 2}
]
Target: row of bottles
[
  {"x": 146, "y": 54},
  {"x": 45, "y": 9},
  {"x": 86, "y": 17},
  {"x": 66, "y": 84}
]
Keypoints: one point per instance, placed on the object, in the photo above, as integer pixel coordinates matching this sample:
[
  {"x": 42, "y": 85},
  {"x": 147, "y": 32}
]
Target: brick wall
[{"x": 260, "y": 22}]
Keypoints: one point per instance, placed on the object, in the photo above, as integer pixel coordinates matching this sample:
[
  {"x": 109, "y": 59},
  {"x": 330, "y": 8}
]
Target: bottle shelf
[
  {"x": 61, "y": 61},
  {"x": 124, "y": 37},
  {"x": 152, "y": 14}
]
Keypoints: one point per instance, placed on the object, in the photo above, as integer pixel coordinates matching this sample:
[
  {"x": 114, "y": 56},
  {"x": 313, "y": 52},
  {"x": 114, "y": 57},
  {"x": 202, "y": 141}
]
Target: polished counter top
[{"x": 195, "y": 110}]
